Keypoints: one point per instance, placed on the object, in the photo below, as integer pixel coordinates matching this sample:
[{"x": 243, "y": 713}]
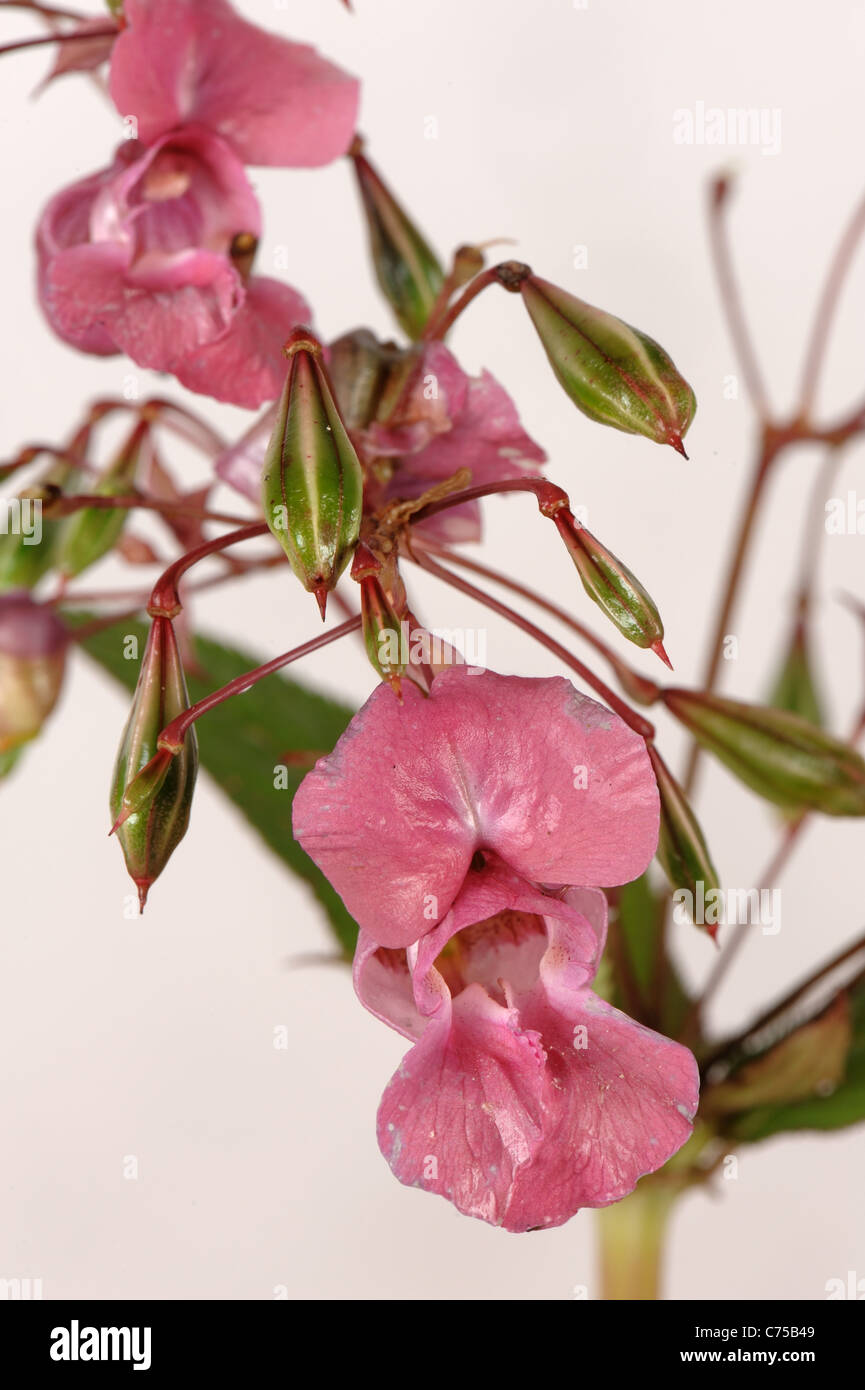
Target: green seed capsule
[
  {"x": 612, "y": 586},
  {"x": 91, "y": 533},
  {"x": 682, "y": 850},
  {"x": 382, "y": 632},
  {"x": 407, "y": 269},
  {"x": 28, "y": 543},
  {"x": 780, "y": 755},
  {"x": 360, "y": 367},
  {"x": 612, "y": 373},
  {"x": 795, "y": 688},
  {"x": 312, "y": 484},
  {"x": 154, "y": 807}
]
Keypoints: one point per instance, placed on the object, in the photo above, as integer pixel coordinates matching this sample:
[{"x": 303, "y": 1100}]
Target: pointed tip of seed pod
[
  {"x": 143, "y": 885},
  {"x": 676, "y": 441},
  {"x": 658, "y": 649},
  {"x": 301, "y": 339},
  {"x": 321, "y": 592},
  {"x": 124, "y": 816}
]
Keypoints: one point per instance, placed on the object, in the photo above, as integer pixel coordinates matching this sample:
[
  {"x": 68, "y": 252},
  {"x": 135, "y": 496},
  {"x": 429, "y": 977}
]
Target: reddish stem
[
  {"x": 439, "y": 325},
  {"x": 550, "y": 498},
  {"x": 731, "y": 298},
  {"x": 164, "y": 600},
  {"x": 64, "y": 506},
  {"x": 826, "y": 308},
  {"x": 68, "y": 37},
  {"x": 622, "y": 670},
  {"x": 172, "y": 736},
  {"x": 730, "y": 1044},
  {"x": 632, "y": 719}
]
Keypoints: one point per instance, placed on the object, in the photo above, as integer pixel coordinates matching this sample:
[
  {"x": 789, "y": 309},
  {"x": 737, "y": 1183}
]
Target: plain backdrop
[{"x": 152, "y": 1039}]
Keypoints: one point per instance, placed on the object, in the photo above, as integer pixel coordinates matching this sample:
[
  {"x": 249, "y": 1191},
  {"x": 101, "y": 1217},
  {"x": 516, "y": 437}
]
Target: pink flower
[
  {"x": 525, "y": 1095},
  {"x": 182, "y": 62},
  {"x": 137, "y": 259},
  {"x": 447, "y": 420},
  {"x": 553, "y": 784}
]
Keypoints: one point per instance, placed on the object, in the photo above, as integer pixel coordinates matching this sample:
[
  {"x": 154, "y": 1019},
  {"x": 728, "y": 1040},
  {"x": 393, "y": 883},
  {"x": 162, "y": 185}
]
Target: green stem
[{"x": 631, "y": 1240}]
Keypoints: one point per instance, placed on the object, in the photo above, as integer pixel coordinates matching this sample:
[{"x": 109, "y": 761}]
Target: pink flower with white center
[
  {"x": 144, "y": 257},
  {"x": 525, "y": 1096},
  {"x": 553, "y": 784},
  {"x": 448, "y": 420}
]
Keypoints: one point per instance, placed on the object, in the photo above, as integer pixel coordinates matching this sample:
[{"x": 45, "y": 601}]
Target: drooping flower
[
  {"x": 138, "y": 259},
  {"x": 525, "y": 1096},
  {"x": 552, "y": 783},
  {"x": 445, "y": 420}
]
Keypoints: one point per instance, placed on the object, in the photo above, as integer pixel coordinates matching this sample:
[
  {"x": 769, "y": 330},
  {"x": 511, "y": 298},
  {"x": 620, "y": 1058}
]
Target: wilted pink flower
[
  {"x": 525, "y": 1096},
  {"x": 138, "y": 259},
  {"x": 552, "y": 783},
  {"x": 447, "y": 420},
  {"x": 197, "y": 62}
]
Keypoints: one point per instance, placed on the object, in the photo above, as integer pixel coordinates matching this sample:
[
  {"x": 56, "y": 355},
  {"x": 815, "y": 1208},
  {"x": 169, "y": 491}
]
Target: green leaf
[{"x": 243, "y": 740}]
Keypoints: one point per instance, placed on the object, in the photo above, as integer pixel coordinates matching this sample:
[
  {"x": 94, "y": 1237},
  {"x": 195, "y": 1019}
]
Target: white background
[{"x": 259, "y": 1168}]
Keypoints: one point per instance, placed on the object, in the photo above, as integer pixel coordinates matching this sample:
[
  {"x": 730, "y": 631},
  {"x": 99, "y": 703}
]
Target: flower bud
[
  {"x": 780, "y": 755},
  {"x": 810, "y": 1061},
  {"x": 312, "y": 484},
  {"x": 33, "y": 644},
  {"x": 612, "y": 373},
  {"x": 612, "y": 586},
  {"x": 359, "y": 367},
  {"x": 682, "y": 851},
  {"x": 467, "y": 263},
  {"x": 152, "y": 789},
  {"x": 407, "y": 269},
  {"x": 382, "y": 632},
  {"x": 89, "y": 534}
]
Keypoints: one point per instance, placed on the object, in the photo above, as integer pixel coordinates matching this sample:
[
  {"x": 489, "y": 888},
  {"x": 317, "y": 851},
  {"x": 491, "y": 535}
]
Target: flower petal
[
  {"x": 523, "y": 1111},
  {"x": 619, "y": 1102},
  {"x": 405, "y": 989},
  {"x": 246, "y": 365},
  {"x": 169, "y": 308},
  {"x": 463, "y": 1113},
  {"x": 240, "y": 465},
  {"x": 69, "y": 306},
  {"x": 197, "y": 60},
  {"x": 554, "y": 784}
]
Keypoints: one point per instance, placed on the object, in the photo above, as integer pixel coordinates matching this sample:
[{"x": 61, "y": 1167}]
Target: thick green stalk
[{"x": 631, "y": 1242}]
